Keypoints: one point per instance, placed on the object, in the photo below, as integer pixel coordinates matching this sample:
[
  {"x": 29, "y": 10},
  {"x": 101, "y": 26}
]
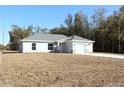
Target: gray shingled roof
[
  {"x": 54, "y": 37},
  {"x": 47, "y": 37},
  {"x": 75, "y": 37}
]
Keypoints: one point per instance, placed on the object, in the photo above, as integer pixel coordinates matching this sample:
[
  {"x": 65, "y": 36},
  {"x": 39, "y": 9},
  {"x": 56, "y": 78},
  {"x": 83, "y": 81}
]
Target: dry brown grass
[{"x": 66, "y": 70}]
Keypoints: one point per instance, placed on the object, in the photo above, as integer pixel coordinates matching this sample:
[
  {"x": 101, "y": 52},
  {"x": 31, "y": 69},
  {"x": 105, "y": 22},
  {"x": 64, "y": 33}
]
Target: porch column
[{"x": 58, "y": 46}]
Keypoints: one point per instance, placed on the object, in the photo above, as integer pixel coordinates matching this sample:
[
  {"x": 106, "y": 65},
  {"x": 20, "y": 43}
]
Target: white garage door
[{"x": 78, "y": 48}]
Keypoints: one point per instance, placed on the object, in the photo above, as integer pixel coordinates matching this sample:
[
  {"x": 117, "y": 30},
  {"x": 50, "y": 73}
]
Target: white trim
[
  {"x": 36, "y": 41},
  {"x": 62, "y": 40},
  {"x": 88, "y": 41}
]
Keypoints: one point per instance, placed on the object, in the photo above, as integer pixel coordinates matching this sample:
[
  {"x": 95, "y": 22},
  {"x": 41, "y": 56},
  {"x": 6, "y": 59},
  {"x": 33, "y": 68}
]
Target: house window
[
  {"x": 55, "y": 43},
  {"x": 33, "y": 46},
  {"x": 60, "y": 44},
  {"x": 50, "y": 46}
]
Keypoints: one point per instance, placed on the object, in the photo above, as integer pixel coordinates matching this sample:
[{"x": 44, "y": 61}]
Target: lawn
[{"x": 64, "y": 70}]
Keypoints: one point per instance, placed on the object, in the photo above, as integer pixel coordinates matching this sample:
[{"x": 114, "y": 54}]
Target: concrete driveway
[{"x": 120, "y": 56}]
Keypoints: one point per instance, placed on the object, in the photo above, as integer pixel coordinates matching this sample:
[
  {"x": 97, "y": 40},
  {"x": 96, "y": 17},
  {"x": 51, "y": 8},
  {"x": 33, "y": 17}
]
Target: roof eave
[
  {"x": 89, "y": 41},
  {"x": 36, "y": 41}
]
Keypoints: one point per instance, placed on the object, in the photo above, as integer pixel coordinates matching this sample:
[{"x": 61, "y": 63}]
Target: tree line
[
  {"x": 106, "y": 31},
  {"x": 17, "y": 33}
]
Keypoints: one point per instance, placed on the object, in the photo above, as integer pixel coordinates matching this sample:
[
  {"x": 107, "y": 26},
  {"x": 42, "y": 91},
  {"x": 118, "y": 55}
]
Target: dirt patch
[{"x": 65, "y": 70}]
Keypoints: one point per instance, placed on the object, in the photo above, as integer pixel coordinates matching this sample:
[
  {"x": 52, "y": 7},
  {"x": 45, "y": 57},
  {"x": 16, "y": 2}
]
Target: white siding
[
  {"x": 40, "y": 47},
  {"x": 90, "y": 47},
  {"x": 68, "y": 47},
  {"x": 80, "y": 48}
]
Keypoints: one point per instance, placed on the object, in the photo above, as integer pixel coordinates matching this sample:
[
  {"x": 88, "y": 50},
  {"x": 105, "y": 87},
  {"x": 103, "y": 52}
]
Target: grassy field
[{"x": 66, "y": 70}]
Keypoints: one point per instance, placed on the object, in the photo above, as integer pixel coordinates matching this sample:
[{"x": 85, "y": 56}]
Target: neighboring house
[{"x": 55, "y": 43}]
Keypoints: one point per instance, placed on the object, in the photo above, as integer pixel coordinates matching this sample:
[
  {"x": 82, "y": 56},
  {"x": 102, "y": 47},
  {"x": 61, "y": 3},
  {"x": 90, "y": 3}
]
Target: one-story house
[{"x": 55, "y": 43}]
